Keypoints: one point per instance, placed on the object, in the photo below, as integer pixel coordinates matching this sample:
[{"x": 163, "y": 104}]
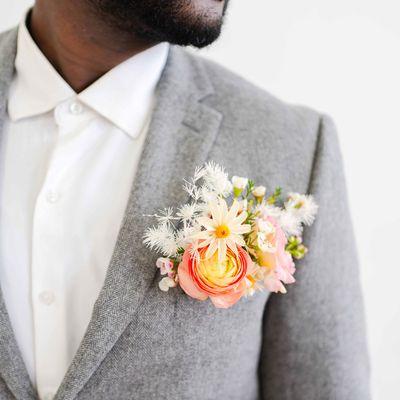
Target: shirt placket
[{"x": 48, "y": 286}]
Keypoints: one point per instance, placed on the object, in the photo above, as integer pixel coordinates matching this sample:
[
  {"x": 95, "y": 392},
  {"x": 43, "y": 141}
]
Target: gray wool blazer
[{"x": 144, "y": 344}]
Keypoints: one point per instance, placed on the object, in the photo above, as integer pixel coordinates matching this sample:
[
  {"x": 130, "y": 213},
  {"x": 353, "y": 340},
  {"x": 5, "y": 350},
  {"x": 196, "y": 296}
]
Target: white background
[{"x": 340, "y": 57}]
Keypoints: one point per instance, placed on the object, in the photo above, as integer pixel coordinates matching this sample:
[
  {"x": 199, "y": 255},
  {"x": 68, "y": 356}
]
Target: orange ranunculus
[{"x": 223, "y": 282}]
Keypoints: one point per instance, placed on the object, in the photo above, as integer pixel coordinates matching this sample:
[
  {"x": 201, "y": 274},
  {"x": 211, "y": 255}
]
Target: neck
[{"x": 78, "y": 43}]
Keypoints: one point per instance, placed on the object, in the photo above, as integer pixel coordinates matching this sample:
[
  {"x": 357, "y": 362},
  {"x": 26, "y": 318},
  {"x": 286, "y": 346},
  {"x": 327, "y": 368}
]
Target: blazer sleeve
[{"x": 314, "y": 343}]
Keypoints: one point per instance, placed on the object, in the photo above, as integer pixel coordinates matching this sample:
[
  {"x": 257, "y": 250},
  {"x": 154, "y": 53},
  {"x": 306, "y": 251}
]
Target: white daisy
[{"x": 224, "y": 229}]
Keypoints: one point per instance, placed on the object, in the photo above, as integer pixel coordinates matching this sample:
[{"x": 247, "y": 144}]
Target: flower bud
[
  {"x": 165, "y": 265},
  {"x": 166, "y": 283},
  {"x": 259, "y": 193},
  {"x": 239, "y": 184}
]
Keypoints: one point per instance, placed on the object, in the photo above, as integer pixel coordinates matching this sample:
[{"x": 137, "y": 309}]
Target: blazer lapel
[
  {"x": 180, "y": 136},
  {"x": 12, "y": 367}
]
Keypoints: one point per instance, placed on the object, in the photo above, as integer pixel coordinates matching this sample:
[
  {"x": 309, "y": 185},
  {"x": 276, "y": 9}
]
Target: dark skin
[
  {"x": 78, "y": 44},
  {"x": 83, "y": 44}
]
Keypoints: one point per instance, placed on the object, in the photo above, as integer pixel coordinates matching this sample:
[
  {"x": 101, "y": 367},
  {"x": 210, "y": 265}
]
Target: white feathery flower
[
  {"x": 290, "y": 223},
  {"x": 239, "y": 182},
  {"x": 188, "y": 211},
  {"x": 202, "y": 209},
  {"x": 184, "y": 235},
  {"x": 166, "y": 216},
  {"x": 169, "y": 247},
  {"x": 303, "y": 206},
  {"x": 162, "y": 239},
  {"x": 154, "y": 235},
  {"x": 199, "y": 172},
  {"x": 189, "y": 188},
  {"x": 166, "y": 283},
  {"x": 192, "y": 190},
  {"x": 228, "y": 189},
  {"x": 268, "y": 210},
  {"x": 212, "y": 168},
  {"x": 207, "y": 195},
  {"x": 216, "y": 179},
  {"x": 181, "y": 237}
]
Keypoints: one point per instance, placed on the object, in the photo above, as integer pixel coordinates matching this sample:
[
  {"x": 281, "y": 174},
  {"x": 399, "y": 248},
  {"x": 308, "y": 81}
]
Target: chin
[
  {"x": 183, "y": 22},
  {"x": 197, "y": 24}
]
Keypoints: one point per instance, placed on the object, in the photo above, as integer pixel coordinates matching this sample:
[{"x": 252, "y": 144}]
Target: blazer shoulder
[
  {"x": 254, "y": 118},
  {"x": 236, "y": 96}
]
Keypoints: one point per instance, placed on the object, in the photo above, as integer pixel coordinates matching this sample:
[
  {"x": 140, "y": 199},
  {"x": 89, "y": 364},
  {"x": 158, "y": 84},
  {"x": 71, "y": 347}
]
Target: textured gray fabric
[{"x": 142, "y": 343}]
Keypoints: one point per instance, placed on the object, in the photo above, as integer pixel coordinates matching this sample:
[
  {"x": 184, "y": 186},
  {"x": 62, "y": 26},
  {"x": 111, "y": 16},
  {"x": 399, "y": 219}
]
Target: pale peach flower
[{"x": 278, "y": 263}]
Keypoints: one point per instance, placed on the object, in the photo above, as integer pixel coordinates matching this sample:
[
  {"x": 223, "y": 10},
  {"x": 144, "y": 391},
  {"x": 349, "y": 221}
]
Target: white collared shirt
[{"x": 67, "y": 164}]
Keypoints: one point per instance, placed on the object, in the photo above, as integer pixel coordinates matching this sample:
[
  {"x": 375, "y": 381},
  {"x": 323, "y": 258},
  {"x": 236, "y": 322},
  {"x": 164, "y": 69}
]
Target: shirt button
[
  {"x": 75, "y": 108},
  {"x": 47, "y": 297},
  {"x": 52, "y": 197},
  {"x": 48, "y": 396}
]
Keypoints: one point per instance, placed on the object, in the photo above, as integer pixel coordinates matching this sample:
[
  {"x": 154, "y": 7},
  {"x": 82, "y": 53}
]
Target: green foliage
[
  {"x": 296, "y": 248},
  {"x": 250, "y": 187},
  {"x": 275, "y": 196}
]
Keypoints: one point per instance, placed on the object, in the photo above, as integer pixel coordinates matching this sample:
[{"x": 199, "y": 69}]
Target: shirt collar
[
  {"x": 37, "y": 87},
  {"x": 123, "y": 95}
]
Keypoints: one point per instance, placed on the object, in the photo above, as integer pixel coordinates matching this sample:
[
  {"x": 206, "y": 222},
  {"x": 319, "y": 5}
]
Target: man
[{"x": 102, "y": 115}]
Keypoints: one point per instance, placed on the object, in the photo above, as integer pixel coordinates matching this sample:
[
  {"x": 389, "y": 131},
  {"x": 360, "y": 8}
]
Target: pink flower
[
  {"x": 166, "y": 266},
  {"x": 277, "y": 261},
  {"x": 223, "y": 282}
]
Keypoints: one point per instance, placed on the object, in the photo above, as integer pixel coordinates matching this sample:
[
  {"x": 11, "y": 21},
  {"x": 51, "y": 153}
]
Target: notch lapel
[
  {"x": 12, "y": 367},
  {"x": 180, "y": 137}
]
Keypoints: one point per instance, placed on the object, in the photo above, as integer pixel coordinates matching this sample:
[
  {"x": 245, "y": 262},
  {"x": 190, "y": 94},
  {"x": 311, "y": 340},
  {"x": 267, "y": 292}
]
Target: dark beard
[{"x": 174, "y": 21}]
